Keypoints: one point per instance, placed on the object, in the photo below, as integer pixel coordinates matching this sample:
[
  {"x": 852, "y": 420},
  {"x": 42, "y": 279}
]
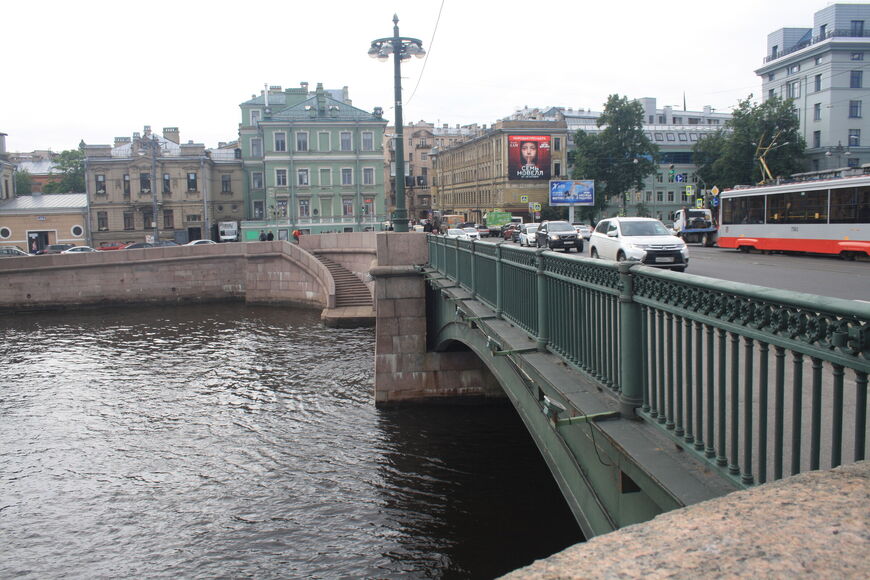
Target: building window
[
  {"x": 344, "y": 141},
  {"x": 771, "y": 93},
  {"x": 280, "y": 141},
  {"x": 325, "y": 177},
  {"x": 817, "y": 139},
  {"x": 368, "y": 141},
  {"x": 301, "y": 141},
  {"x": 259, "y": 209},
  {"x": 166, "y": 183},
  {"x": 302, "y": 177},
  {"x": 771, "y": 77},
  {"x": 678, "y": 120},
  {"x": 256, "y": 147},
  {"x": 793, "y": 90},
  {"x": 671, "y": 196},
  {"x": 670, "y": 137},
  {"x": 346, "y": 176},
  {"x": 793, "y": 69},
  {"x": 128, "y": 220},
  {"x": 856, "y": 79},
  {"x": 127, "y": 184},
  {"x": 191, "y": 181},
  {"x": 257, "y": 180},
  {"x": 817, "y": 112},
  {"x": 281, "y": 177},
  {"x": 854, "y": 109},
  {"x": 557, "y": 143},
  {"x": 818, "y": 60},
  {"x": 147, "y": 218},
  {"x": 101, "y": 184},
  {"x": 854, "y": 137},
  {"x": 857, "y": 56},
  {"x": 225, "y": 184},
  {"x": 255, "y": 116},
  {"x": 347, "y": 206},
  {"x": 857, "y": 28},
  {"x": 660, "y": 196},
  {"x": 368, "y": 176},
  {"x": 168, "y": 219},
  {"x": 649, "y": 196},
  {"x": 304, "y": 208},
  {"x": 557, "y": 169},
  {"x": 281, "y": 208},
  {"x": 817, "y": 83},
  {"x": 144, "y": 183}
]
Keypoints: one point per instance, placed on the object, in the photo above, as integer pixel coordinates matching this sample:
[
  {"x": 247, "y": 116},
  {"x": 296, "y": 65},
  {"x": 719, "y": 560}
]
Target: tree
[
  {"x": 771, "y": 131},
  {"x": 72, "y": 165},
  {"x": 23, "y": 182},
  {"x": 619, "y": 157}
]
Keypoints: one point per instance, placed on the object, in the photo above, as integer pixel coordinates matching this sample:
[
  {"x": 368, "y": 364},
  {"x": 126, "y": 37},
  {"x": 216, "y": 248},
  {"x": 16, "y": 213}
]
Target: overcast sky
[{"x": 97, "y": 69}]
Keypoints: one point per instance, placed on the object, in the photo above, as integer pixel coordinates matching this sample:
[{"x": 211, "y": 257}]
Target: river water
[{"x": 227, "y": 441}]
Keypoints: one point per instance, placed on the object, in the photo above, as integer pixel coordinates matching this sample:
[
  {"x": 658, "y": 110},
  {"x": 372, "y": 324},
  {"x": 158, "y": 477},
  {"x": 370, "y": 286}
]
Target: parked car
[
  {"x": 526, "y": 237},
  {"x": 473, "y": 234},
  {"x": 79, "y": 250},
  {"x": 646, "y": 240},
  {"x": 482, "y": 231},
  {"x": 507, "y": 231},
  {"x": 558, "y": 234},
  {"x": 199, "y": 243},
  {"x": 456, "y": 233},
  {"x": 55, "y": 248},
  {"x": 12, "y": 252},
  {"x": 158, "y": 244},
  {"x": 583, "y": 230}
]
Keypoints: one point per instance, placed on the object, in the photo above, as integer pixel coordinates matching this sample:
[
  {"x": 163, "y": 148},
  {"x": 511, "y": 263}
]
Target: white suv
[{"x": 646, "y": 240}]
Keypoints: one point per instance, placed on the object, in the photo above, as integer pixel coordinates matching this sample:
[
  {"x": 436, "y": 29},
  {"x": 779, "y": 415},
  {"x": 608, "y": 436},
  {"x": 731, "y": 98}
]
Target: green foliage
[
  {"x": 72, "y": 165},
  {"x": 549, "y": 212},
  {"x": 23, "y": 182},
  {"x": 729, "y": 156},
  {"x": 642, "y": 210},
  {"x": 619, "y": 157}
]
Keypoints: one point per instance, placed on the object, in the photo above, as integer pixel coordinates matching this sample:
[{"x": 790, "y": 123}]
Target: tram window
[
  {"x": 799, "y": 207},
  {"x": 743, "y": 210},
  {"x": 850, "y": 205}
]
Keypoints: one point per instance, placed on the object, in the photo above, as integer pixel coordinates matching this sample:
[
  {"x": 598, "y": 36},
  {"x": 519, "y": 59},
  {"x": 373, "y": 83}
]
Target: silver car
[{"x": 645, "y": 240}]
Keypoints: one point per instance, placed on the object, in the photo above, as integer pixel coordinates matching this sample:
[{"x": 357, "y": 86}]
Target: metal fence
[{"x": 761, "y": 383}]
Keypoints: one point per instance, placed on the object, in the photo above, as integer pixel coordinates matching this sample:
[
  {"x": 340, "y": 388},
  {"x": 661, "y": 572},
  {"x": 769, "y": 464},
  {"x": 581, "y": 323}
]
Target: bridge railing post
[
  {"x": 473, "y": 271},
  {"x": 630, "y": 345},
  {"x": 543, "y": 334},
  {"x": 499, "y": 282}
]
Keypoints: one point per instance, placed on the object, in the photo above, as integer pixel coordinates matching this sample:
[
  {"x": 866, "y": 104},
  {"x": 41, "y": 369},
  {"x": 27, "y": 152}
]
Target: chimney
[
  {"x": 119, "y": 141},
  {"x": 2, "y": 143},
  {"x": 304, "y": 86},
  {"x": 172, "y": 134},
  {"x": 147, "y": 131}
]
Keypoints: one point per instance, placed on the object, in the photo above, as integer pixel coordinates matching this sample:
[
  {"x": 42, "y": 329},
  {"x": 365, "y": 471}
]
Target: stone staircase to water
[{"x": 350, "y": 291}]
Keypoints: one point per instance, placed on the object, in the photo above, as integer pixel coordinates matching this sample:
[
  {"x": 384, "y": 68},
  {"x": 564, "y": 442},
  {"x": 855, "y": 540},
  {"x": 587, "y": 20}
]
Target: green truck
[{"x": 495, "y": 220}]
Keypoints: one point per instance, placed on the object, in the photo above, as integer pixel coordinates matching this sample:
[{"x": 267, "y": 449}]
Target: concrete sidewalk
[{"x": 813, "y": 525}]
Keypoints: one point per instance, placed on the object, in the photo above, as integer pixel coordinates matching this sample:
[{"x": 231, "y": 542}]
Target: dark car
[
  {"x": 139, "y": 245},
  {"x": 55, "y": 248},
  {"x": 558, "y": 234}
]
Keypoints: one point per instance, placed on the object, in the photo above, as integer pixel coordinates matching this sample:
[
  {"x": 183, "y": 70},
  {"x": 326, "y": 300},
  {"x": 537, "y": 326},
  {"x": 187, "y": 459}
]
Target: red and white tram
[{"x": 822, "y": 217}]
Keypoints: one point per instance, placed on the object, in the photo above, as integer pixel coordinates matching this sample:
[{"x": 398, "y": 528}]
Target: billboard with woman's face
[{"x": 529, "y": 157}]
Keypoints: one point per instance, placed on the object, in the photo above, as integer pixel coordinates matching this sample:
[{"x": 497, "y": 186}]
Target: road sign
[
  {"x": 690, "y": 190},
  {"x": 715, "y": 190},
  {"x": 699, "y": 203},
  {"x": 679, "y": 178},
  {"x": 524, "y": 199},
  {"x": 537, "y": 207},
  {"x": 714, "y": 202}
]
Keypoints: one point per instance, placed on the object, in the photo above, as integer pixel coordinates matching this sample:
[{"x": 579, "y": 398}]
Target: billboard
[
  {"x": 579, "y": 192},
  {"x": 529, "y": 157}
]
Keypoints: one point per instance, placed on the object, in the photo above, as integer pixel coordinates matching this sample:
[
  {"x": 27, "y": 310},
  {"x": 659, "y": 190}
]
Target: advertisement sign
[
  {"x": 567, "y": 192},
  {"x": 529, "y": 157}
]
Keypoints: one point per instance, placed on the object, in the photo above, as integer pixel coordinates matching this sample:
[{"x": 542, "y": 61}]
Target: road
[{"x": 822, "y": 275}]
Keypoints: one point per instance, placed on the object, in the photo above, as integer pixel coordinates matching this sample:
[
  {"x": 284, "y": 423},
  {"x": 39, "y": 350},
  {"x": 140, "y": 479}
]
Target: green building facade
[{"x": 312, "y": 162}]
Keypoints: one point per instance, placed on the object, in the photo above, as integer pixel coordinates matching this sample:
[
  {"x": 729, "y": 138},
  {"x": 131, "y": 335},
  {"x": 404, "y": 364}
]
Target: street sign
[
  {"x": 679, "y": 178},
  {"x": 690, "y": 190},
  {"x": 715, "y": 190},
  {"x": 699, "y": 203},
  {"x": 537, "y": 207},
  {"x": 714, "y": 202},
  {"x": 524, "y": 199}
]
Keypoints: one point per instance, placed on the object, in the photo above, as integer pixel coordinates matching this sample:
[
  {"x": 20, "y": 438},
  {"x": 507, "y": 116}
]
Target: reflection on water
[{"x": 231, "y": 441}]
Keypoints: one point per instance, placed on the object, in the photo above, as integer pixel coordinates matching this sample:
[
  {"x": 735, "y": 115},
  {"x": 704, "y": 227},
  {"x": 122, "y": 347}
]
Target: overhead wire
[{"x": 428, "y": 52}]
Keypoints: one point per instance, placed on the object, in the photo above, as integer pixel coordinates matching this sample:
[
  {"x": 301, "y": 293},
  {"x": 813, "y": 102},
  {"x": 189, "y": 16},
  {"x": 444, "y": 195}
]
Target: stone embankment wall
[
  {"x": 405, "y": 371},
  {"x": 255, "y": 272}
]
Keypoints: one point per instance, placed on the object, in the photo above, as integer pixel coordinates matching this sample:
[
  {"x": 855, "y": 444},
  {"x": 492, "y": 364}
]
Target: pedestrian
[
  {"x": 262, "y": 236},
  {"x": 270, "y": 236},
  {"x": 34, "y": 247},
  {"x": 296, "y": 234}
]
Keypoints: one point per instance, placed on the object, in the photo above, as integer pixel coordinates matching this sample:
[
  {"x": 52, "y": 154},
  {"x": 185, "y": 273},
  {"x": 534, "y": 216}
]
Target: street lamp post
[{"x": 402, "y": 48}]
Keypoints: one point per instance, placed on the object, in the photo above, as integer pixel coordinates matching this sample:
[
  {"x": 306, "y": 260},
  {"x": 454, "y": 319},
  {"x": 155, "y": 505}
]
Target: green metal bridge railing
[{"x": 761, "y": 383}]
